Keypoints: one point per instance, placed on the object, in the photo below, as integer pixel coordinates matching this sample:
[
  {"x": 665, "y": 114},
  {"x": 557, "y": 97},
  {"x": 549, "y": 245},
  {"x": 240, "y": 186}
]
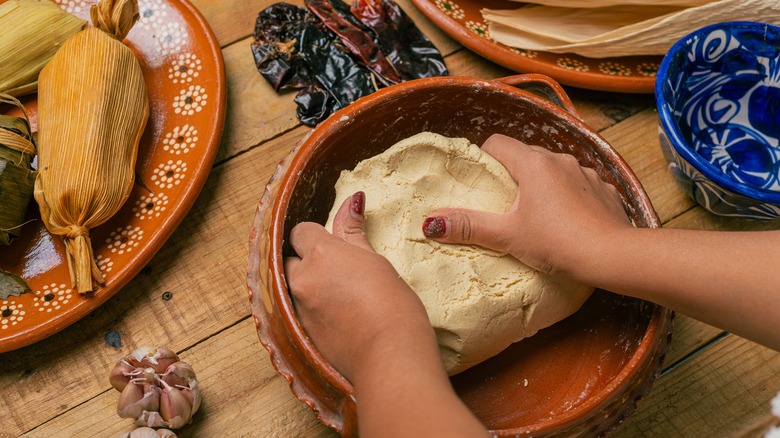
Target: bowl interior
[
  {"x": 566, "y": 371},
  {"x": 720, "y": 89}
]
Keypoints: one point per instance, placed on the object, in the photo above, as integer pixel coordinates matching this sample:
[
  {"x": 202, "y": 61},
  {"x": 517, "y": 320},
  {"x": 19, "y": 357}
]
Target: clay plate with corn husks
[{"x": 185, "y": 76}]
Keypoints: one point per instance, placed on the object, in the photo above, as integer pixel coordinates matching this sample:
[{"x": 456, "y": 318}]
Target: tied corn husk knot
[
  {"x": 156, "y": 388},
  {"x": 92, "y": 110},
  {"x": 17, "y": 177},
  {"x": 31, "y": 31},
  {"x": 115, "y": 17}
]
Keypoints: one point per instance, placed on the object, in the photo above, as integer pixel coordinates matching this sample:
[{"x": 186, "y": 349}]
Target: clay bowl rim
[
  {"x": 670, "y": 125},
  {"x": 287, "y": 185}
]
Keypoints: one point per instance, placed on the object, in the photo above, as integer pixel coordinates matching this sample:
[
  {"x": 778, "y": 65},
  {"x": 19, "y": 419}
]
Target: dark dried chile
[
  {"x": 355, "y": 39},
  {"x": 274, "y": 49},
  {"x": 293, "y": 50},
  {"x": 411, "y": 52},
  {"x": 296, "y": 48}
]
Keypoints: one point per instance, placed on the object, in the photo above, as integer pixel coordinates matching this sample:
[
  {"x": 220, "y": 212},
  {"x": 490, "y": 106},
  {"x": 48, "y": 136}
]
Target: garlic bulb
[{"x": 156, "y": 389}]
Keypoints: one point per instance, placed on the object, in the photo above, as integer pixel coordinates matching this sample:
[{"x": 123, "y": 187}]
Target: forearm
[
  {"x": 727, "y": 279},
  {"x": 410, "y": 394}
]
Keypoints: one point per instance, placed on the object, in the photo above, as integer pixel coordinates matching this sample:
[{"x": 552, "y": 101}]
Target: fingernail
[
  {"x": 358, "y": 203},
  {"x": 434, "y": 227}
]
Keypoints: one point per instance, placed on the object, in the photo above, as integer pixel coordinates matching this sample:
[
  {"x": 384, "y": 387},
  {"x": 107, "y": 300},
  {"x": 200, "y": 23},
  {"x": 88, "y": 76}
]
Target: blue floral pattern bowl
[{"x": 718, "y": 98}]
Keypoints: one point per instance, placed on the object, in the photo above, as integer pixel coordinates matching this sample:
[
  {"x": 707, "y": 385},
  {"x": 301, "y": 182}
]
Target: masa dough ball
[{"x": 479, "y": 301}]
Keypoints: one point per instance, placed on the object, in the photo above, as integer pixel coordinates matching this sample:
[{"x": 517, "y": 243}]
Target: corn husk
[
  {"x": 606, "y": 3},
  {"x": 92, "y": 110},
  {"x": 17, "y": 177},
  {"x": 611, "y": 32},
  {"x": 31, "y": 31}
]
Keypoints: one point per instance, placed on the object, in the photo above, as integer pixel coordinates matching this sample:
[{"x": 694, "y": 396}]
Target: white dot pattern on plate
[
  {"x": 180, "y": 140},
  {"x": 525, "y": 52},
  {"x": 648, "y": 68},
  {"x": 149, "y": 206},
  {"x": 152, "y": 14},
  {"x": 51, "y": 297},
  {"x": 75, "y": 6},
  {"x": 190, "y": 100},
  {"x": 105, "y": 264},
  {"x": 185, "y": 68},
  {"x": 11, "y": 314},
  {"x": 450, "y": 8},
  {"x": 171, "y": 37},
  {"x": 479, "y": 28},
  {"x": 169, "y": 174},
  {"x": 124, "y": 239},
  {"x": 572, "y": 64},
  {"x": 614, "y": 69}
]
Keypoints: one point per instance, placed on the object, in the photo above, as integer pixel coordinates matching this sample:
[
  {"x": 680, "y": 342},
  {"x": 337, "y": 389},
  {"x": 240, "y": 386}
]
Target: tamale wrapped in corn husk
[
  {"x": 31, "y": 31},
  {"x": 92, "y": 110},
  {"x": 17, "y": 177}
]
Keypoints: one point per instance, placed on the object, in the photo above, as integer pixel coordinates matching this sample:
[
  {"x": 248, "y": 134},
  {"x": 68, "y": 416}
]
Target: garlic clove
[
  {"x": 150, "y": 419},
  {"x": 165, "y": 433},
  {"x": 174, "y": 406},
  {"x": 142, "y": 432},
  {"x": 129, "y": 404},
  {"x": 121, "y": 374},
  {"x": 158, "y": 358},
  {"x": 179, "y": 374},
  {"x": 193, "y": 396}
]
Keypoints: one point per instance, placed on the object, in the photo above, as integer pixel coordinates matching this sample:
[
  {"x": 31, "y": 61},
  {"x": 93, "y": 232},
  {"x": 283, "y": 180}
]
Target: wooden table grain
[{"x": 713, "y": 384}]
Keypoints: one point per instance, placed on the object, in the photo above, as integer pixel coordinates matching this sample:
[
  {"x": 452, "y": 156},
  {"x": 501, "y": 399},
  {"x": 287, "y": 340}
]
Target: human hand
[
  {"x": 561, "y": 215},
  {"x": 350, "y": 299}
]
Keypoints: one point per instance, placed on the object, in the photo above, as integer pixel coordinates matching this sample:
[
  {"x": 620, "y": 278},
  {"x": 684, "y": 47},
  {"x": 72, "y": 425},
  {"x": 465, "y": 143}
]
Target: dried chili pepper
[
  {"x": 355, "y": 39},
  {"x": 411, "y": 52},
  {"x": 332, "y": 54},
  {"x": 276, "y": 34},
  {"x": 334, "y": 70},
  {"x": 292, "y": 49}
]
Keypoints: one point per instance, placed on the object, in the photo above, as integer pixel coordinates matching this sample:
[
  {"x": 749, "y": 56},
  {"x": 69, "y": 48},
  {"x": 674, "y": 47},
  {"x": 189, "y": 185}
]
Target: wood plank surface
[{"x": 713, "y": 382}]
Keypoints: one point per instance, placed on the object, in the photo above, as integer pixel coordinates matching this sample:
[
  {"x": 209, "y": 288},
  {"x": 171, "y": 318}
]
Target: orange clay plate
[
  {"x": 462, "y": 20},
  {"x": 184, "y": 73}
]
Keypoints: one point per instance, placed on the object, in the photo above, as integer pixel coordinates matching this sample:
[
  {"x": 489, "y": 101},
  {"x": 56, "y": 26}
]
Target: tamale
[
  {"x": 31, "y": 31},
  {"x": 17, "y": 177},
  {"x": 92, "y": 110},
  {"x": 609, "y": 32}
]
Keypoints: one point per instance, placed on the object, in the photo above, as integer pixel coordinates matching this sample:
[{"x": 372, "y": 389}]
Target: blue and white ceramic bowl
[{"x": 718, "y": 98}]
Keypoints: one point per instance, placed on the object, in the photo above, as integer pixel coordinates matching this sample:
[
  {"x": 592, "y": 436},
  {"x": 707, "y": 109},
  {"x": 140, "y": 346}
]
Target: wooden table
[{"x": 714, "y": 383}]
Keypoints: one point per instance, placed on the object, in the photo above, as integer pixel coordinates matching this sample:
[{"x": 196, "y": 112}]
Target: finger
[
  {"x": 305, "y": 235},
  {"x": 292, "y": 267},
  {"x": 455, "y": 225},
  {"x": 506, "y": 150},
  {"x": 349, "y": 223}
]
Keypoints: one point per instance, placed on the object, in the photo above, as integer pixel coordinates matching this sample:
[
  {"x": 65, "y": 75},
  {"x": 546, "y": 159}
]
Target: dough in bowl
[{"x": 479, "y": 301}]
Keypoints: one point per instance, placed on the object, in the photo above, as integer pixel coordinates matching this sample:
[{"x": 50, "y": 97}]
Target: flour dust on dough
[{"x": 479, "y": 301}]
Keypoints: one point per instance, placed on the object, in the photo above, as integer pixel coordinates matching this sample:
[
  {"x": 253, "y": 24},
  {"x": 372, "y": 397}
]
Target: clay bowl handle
[{"x": 544, "y": 87}]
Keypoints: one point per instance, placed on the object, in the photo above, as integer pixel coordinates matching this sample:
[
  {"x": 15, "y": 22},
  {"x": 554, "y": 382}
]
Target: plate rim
[{"x": 503, "y": 56}]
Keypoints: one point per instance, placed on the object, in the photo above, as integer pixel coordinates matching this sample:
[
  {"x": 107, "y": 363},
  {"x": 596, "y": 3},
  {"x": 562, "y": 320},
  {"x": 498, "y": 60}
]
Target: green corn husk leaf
[
  {"x": 11, "y": 285},
  {"x": 17, "y": 177},
  {"x": 31, "y": 31}
]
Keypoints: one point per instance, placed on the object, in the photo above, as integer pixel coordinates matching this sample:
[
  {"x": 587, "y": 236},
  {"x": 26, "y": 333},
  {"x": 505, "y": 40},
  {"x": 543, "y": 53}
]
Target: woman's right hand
[{"x": 562, "y": 212}]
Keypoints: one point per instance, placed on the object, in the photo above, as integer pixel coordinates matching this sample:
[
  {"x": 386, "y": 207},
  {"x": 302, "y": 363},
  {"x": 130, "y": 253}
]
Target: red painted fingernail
[
  {"x": 358, "y": 203},
  {"x": 434, "y": 227}
]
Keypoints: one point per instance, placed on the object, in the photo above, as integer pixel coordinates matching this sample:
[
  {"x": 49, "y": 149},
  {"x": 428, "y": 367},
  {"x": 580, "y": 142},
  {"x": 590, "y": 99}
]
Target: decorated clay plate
[
  {"x": 184, "y": 73},
  {"x": 462, "y": 20}
]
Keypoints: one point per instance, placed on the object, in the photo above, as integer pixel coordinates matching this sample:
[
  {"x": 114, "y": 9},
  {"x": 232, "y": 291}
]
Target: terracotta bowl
[{"x": 581, "y": 376}]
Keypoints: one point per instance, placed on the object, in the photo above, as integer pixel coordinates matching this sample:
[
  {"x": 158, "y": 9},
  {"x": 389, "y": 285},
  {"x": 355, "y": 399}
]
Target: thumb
[
  {"x": 470, "y": 227},
  {"x": 349, "y": 223}
]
